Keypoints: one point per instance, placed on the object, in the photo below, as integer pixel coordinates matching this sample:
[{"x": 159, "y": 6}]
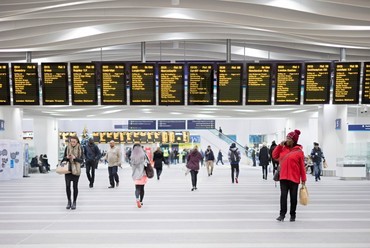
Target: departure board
[
  {"x": 259, "y": 84},
  {"x": 54, "y": 83},
  {"x": 25, "y": 84},
  {"x": 366, "y": 84},
  {"x": 142, "y": 84},
  {"x": 113, "y": 84},
  {"x": 229, "y": 84},
  {"x": 83, "y": 84},
  {"x": 171, "y": 84},
  {"x": 346, "y": 83},
  {"x": 317, "y": 83},
  {"x": 200, "y": 84},
  {"x": 288, "y": 84},
  {"x": 4, "y": 85}
]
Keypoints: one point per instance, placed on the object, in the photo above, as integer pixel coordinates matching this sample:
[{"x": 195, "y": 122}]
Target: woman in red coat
[{"x": 292, "y": 172}]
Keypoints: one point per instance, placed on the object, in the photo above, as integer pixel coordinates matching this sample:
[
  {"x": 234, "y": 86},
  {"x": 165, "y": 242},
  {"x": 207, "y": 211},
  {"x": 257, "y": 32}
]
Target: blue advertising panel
[
  {"x": 171, "y": 124},
  {"x": 363, "y": 127},
  {"x": 195, "y": 139},
  {"x": 141, "y": 124},
  {"x": 201, "y": 124}
]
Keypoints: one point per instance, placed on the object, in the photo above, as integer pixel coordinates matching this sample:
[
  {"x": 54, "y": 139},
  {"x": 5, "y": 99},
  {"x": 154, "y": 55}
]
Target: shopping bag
[
  {"x": 303, "y": 195},
  {"x": 63, "y": 168},
  {"x": 325, "y": 164}
]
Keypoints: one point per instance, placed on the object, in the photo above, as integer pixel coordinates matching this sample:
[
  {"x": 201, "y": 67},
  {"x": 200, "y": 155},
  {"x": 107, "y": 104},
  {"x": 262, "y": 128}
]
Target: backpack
[{"x": 234, "y": 156}]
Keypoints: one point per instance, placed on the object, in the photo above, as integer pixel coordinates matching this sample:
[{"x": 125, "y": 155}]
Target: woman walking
[
  {"x": 158, "y": 161},
  {"x": 194, "y": 158},
  {"x": 138, "y": 160},
  {"x": 73, "y": 154},
  {"x": 292, "y": 172}
]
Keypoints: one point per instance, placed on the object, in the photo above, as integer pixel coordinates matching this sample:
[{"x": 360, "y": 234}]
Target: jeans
[
  {"x": 234, "y": 168},
  {"x": 71, "y": 178},
  {"x": 90, "y": 165},
  {"x": 291, "y": 187},
  {"x": 264, "y": 171},
  {"x": 113, "y": 175},
  {"x": 194, "y": 175},
  {"x": 317, "y": 170}
]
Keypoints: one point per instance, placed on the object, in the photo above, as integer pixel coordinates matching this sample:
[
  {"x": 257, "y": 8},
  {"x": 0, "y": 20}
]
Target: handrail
[{"x": 227, "y": 139}]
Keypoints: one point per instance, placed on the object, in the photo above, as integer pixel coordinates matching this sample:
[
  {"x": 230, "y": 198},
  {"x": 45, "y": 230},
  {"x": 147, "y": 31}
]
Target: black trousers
[
  {"x": 71, "y": 178},
  {"x": 219, "y": 160},
  {"x": 139, "y": 192},
  {"x": 90, "y": 166},
  {"x": 194, "y": 175},
  {"x": 264, "y": 171},
  {"x": 274, "y": 166},
  {"x": 291, "y": 187},
  {"x": 159, "y": 172},
  {"x": 234, "y": 171},
  {"x": 113, "y": 175}
]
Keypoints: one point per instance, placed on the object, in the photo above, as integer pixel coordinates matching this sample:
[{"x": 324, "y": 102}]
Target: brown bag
[
  {"x": 63, "y": 168},
  {"x": 303, "y": 195},
  {"x": 76, "y": 169}
]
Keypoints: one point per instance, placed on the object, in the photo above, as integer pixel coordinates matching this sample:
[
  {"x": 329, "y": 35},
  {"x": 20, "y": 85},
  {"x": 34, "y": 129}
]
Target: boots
[
  {"x": 73, "y": 207},
  {"x": 68, "y": 205}
]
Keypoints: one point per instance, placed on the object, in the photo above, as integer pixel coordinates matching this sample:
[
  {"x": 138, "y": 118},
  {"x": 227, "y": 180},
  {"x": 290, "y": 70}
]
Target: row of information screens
[
  {"x": 142, "y": 137},
  {"x": 112, "y": 78}
]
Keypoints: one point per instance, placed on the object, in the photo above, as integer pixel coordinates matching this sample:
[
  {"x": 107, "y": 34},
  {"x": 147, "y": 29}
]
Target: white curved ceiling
[{"x": 112, "y": 30}]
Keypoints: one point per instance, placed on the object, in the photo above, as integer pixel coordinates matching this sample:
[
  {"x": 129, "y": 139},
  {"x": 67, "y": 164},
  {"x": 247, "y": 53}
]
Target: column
[
  {"x": 46, "y": 140},
  {"x": 143, "y": 50},
  {"x": 228, "y": 50},
  {"x": 13, "y": 123}
]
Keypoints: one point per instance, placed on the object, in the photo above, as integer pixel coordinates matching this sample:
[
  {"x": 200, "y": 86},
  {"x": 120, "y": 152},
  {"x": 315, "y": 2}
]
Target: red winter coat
[{"x": 291, "y": 161}]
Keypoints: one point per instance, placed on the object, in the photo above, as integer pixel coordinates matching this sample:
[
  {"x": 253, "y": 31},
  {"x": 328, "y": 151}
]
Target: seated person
[{"x": 34, "y": 163}]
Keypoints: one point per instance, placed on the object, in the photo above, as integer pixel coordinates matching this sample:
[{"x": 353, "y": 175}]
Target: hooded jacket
[
  {"x": 291, "y": 162},
  {"x": 194, "y": 158}
]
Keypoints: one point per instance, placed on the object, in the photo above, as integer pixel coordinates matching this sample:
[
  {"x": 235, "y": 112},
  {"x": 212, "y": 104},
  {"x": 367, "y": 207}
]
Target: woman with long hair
[
  {"x": 74, "y": 155},
  {"x": 194, "y": 159},
  {"x": 138, "y": 160}
]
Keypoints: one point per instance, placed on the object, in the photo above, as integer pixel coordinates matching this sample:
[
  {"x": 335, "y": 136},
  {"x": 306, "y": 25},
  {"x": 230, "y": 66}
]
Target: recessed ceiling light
[
  {"x": 175, "y": 113},
  {"x": 281, "y": 109},
  {"x": 112, "y": 111},
  {"x": 299, "y": 111}
]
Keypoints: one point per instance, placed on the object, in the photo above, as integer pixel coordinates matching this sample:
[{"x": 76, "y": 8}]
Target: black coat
[
  {"x": 158, "y": 159},
  {"x": 264, "y": 156}
]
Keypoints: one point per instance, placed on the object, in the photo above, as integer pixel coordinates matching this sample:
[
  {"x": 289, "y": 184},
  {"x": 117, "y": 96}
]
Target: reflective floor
[{"x": 218, "y": 214}]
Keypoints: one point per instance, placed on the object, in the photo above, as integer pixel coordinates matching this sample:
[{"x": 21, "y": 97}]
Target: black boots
[
  {"x": 280, "y": 218},
  {"x": 73, "y": 207},
  {"x": 68, "y": 205}
]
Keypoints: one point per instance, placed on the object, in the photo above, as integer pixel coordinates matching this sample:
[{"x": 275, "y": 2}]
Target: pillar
[
  {"x": 143, "y": 50},
  {"x": 228, "y": 50},
  {"x": 12, "y": 123}
]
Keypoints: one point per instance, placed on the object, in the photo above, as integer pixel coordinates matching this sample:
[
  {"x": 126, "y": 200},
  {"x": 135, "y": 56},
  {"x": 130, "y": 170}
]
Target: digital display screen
[
  {"x": 201, "y": 124},
  {"x": 113, "y": 84},
  {"x": 25, "y": 84},
  {"x": 317, "y": 83},
  {"x": 83, "y": 84},
  {"x": 259, "y": 84},
  {"x": 4, "y": 85},
  {"x": 142, "y": 84},
  {"x": 288, "y": 84},
  {"x": 200, "y": 84},
  {"x": 54, "y": 83},
  {"x": 346, "y": 83},
  {"x": 229, "y": 84},
  {"x": 366, "y": 84},
  {"x": 171, "y": 84}
]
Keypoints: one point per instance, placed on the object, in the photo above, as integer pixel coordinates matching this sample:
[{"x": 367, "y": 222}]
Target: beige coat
[{"x": 113, "y": 156}]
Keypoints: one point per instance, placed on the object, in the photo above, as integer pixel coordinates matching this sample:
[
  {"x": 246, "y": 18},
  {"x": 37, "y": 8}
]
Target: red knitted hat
[{"x": 294, "y": 135}]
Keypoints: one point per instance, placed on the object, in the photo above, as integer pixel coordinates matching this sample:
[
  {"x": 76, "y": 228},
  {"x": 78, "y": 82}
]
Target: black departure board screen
[
  {"x": 25, "y": 84},
  {"x": 54, "y": 83},
  {"x": 200, "y": 84},
  {"x": 113, "y": 84},
  {"x": 142, "y": 84},
  {"x": 83, "y": 84},
  {"x": 259, "y": 84},
  {"x": 346, "y": 83},
  {"x": 229, "y": 84},
  {"x": 317, "y": 83},
  {"x": 4, "y": 85},
  {"x": 366, "y": 84},
  {"x": 171, "y": 84},
  {"x": 288, "y": 84}
]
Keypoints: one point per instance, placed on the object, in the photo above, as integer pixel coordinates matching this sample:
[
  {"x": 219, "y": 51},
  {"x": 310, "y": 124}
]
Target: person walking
[
  {"x": 234, "y": 159},
  {"x": 317, "y": 157},
  {"x": 138, "y": 160},
  {"x": 210, "y": 160},
  {"x": 219, "y": 157},
  {"x": 92, "y": 156},
  {"x": 158, "y": 161},
  {"x": 292, "y": 172},
  {"x": 264, "y": 159},
  {"x": 113, "y": 157},
  {"x": 192, "y": 164},
  {"x": 74, "y": 155},
  {"x": 274, "y": 162}
]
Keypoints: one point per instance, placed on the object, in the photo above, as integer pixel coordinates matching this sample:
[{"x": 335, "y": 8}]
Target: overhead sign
[
  {"x": 141, "y": 124},
  {"x": 201, "y": 124},
  {"x": 171, "y": 124},
  {"x": 363, "y": 127}
]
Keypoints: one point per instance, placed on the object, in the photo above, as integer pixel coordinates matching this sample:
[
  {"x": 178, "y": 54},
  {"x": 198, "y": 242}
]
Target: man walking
[
  {"x": 92, "y": 156},
  {"x": 317, "y": 157},
  {"x": 210, "y": 159},
  {"x": 114, "y": 160},
  {"x": 234, "y": 159}
]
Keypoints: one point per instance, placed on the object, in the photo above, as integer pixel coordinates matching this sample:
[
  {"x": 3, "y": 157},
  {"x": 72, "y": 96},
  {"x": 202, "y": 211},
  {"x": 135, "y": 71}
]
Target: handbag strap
[{"x": 286, "y": 156}]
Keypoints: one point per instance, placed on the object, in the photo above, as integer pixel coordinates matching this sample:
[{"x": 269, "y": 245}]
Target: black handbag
[
  {"x": 148, "y": 168},
  {"x": 276, "y": 176}
]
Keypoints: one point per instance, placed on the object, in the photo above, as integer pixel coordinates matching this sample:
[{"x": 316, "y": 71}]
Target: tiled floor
[{"x": 219, "y": 214}]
